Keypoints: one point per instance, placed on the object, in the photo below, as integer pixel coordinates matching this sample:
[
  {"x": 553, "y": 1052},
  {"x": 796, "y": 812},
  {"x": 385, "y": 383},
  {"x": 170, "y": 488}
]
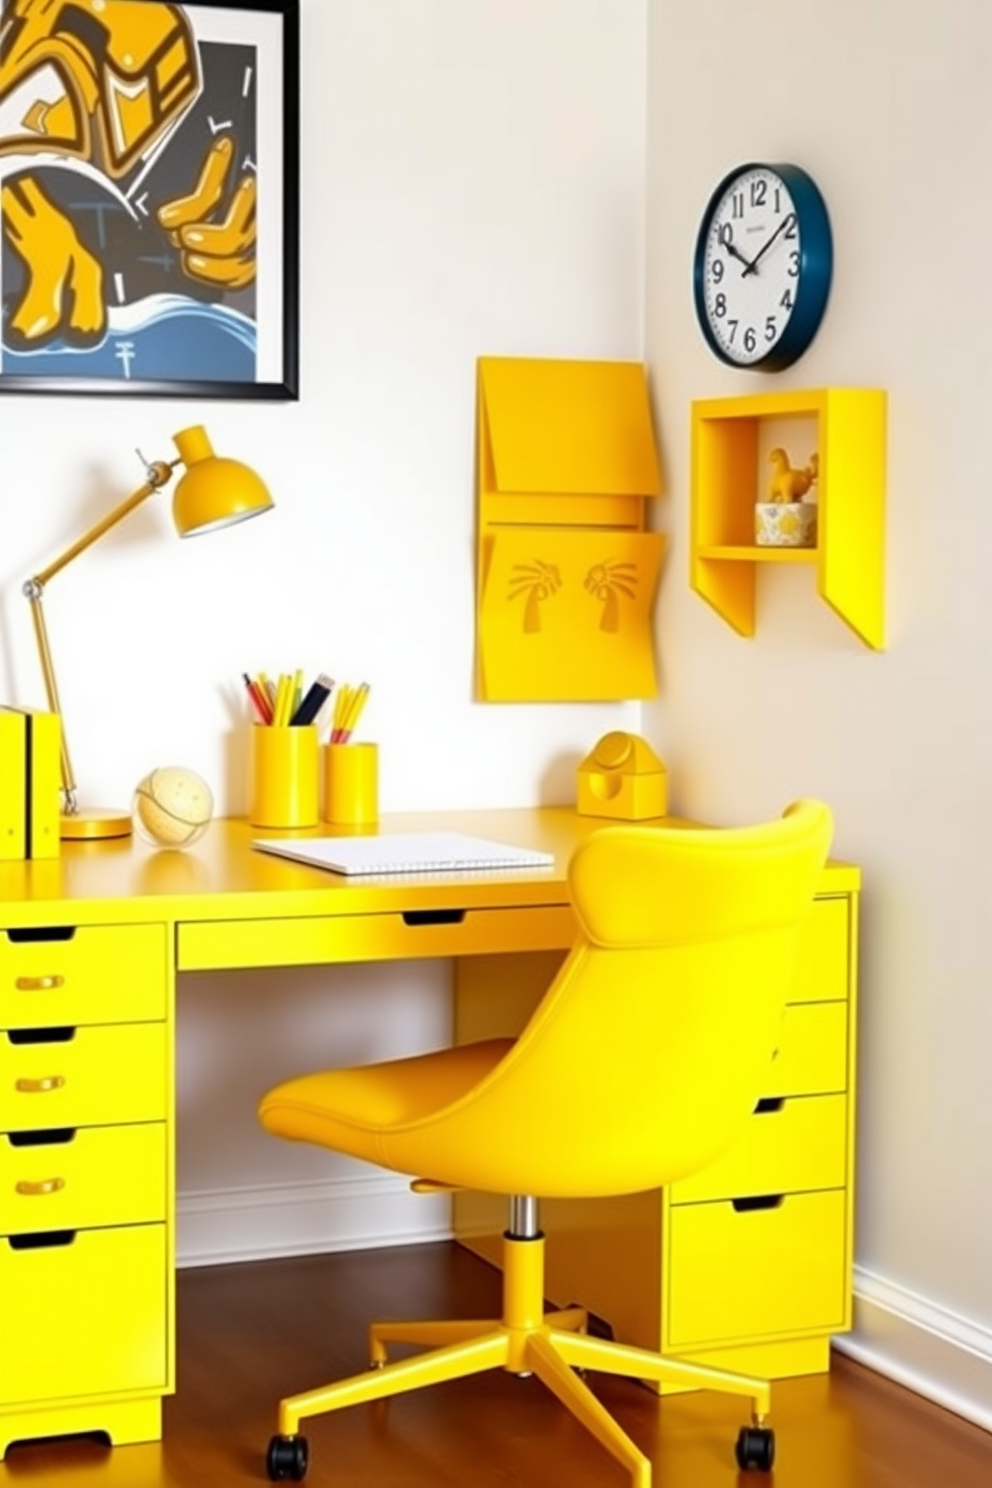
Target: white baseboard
[
  {"x": 255, "y": 1224},
  {"x": 919, "y": 1344}
]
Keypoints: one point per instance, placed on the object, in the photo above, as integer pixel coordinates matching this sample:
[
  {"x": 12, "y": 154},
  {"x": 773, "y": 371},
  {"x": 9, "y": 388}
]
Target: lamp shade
[{"x": 213, "y": 492}]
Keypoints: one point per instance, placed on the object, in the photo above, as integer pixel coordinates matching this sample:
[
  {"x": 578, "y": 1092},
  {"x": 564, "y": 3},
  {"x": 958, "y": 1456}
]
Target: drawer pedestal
[
  {"x": 86, "y": 1182},
  {"x": 747, "y": 1264}
]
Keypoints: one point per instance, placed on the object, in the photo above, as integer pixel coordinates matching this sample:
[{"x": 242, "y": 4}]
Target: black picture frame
[{"x": 159, "y": 233}]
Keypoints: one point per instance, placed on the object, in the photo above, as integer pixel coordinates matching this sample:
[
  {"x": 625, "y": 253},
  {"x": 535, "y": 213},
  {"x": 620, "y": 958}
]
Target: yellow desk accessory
[
  {"x": 29, "y": 784},
  {"x": 285, "y": 775},
  {"x": 351, "y": 784},
  {"x": 622, "y": 778},
  {"x": 566, "y": 571},
  {"x": 214, "y": 492}
]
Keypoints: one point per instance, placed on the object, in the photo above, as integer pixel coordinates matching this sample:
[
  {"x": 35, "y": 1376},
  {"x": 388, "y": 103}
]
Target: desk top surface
[{"x": 223, "y": 876}]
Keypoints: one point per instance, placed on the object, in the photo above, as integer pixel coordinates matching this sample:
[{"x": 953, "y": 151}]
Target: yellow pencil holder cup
[
  {"x": 285, "y": 776},
  {"x": 351, "y": 785}
]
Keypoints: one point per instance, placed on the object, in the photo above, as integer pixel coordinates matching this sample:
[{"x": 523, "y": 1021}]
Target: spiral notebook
[{"x": 405, "y": 852}]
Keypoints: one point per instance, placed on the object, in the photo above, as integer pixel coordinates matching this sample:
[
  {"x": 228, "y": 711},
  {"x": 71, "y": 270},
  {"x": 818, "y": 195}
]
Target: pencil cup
[
  {"x": 284, "y": 776},
  {"x": 351, "y": 784}
]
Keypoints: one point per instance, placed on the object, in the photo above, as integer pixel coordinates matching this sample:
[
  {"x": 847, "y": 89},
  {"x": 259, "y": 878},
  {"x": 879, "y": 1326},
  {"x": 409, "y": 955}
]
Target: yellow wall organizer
[
  {"x": 849, "y": 551},
  {"x": 566, "y": 572}
]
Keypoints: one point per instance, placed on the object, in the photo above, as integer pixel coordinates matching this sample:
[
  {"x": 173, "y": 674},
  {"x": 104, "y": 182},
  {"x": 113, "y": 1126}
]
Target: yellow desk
[{"x": 90, "y": 946}]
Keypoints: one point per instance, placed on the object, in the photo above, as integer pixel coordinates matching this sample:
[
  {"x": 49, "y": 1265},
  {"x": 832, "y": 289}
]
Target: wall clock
[{"x": 762, "y": 266}]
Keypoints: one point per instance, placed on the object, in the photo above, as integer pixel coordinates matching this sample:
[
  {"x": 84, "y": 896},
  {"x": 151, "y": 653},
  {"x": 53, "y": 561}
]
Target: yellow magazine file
[
  {"x": 30, "y": 783},
  {"x": 567, "y": 573},
  {"x": 44, "y": 742},
  {"x": 13, "y": 785}
]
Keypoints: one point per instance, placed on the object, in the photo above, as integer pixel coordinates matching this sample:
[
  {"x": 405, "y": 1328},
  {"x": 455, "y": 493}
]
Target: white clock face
[{"x": 751, "y": 266}]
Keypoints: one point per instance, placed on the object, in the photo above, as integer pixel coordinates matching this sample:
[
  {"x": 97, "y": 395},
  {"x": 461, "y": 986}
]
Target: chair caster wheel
[
  {"x": 287, "y": 1458},
  {"x": 756, "y": 1448}
]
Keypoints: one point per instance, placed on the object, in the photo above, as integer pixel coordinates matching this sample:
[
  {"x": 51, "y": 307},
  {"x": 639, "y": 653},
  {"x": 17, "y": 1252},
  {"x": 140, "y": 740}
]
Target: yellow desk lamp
[{"x": 213, "y": 493}]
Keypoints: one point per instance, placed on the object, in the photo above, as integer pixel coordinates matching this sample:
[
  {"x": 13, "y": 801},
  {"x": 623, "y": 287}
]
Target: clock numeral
[
  {"x": 785, "y": 302},
  {"x": 725, "y": 235},
  {"x": 733, "y": 324},
  {"x": 737, "y": 204},
  {"x": 793, "y": 265},
  {"x": 759, "y": 190},
  {"x": 716, "y": 269},
  {"x": 770, "y": 328},
  {"x": 790, "y": 230},
  {"x": 778, "y": 199},
  {"x": 720, "y": 305},
  {"x": 750, "y": 339}
]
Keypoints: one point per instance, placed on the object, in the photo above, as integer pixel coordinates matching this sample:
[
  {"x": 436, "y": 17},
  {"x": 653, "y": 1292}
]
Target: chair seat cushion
[{"x": 350, "y": 1110}]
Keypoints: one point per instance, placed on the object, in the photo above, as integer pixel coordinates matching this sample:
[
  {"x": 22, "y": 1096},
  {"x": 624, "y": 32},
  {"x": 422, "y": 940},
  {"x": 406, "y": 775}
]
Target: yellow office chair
[{"x": 640, "y": 1065}]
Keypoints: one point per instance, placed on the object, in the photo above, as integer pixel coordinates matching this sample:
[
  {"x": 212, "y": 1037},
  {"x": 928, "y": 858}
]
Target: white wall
[
  {"x": 473, "y": 183},
  {"x": 885, "y": 103}
]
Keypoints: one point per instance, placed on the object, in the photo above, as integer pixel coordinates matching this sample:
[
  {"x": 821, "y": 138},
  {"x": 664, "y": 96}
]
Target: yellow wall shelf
[{"x": 727, "y": 479}]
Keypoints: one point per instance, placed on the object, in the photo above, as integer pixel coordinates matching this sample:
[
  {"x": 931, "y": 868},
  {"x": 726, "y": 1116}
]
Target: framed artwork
[{"x": 149, "y": 198}]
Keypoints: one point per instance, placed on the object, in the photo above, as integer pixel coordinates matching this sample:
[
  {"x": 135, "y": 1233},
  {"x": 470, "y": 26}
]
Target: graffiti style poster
[{"x": 149, "y": 197}]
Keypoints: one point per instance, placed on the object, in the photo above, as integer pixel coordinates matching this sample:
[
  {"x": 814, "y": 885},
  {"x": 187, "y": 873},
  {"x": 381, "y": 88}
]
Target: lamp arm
[{"x": 157, "y": 476}]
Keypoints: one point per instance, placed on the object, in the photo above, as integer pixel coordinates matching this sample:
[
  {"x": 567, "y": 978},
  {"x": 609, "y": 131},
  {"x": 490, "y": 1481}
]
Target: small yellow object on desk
[
  {"x": 623, "y": 778},
  {"x": 172, "y": 807}
]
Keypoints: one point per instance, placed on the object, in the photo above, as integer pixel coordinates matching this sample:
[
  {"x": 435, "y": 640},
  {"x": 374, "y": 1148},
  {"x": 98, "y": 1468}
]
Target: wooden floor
[{"x": 250, "y": 1333}]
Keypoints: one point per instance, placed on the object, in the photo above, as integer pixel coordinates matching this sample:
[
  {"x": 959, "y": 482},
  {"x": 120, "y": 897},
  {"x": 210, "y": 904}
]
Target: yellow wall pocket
[{"x": 567, "y": 574}]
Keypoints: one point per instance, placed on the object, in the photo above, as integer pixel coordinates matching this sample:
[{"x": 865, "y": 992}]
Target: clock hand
[
  {"x": 732, "y": 248},
  {"x": 752, "y": 267}
]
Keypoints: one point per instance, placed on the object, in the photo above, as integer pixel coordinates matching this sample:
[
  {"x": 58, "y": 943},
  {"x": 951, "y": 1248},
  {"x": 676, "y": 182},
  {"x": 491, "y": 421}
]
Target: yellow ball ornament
[{"x": 172, "y": 807}]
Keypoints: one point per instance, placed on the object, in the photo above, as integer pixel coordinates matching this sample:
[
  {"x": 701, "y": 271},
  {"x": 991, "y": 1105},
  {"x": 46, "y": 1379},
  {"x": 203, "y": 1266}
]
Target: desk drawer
[
  {"x": 758, "y": 1273},
  {"x": 86, "y": 1316},
  {"x": 97, "y": 974},
  {"x": 823, "y": 970},
  {"x": 812, "y": 1051},
  {"x": 101, "y": 1175},
  {"x": 116, "y": 1073},
  {"x": 376, "y": 937},
  {"x": 800, "y": 1145}
]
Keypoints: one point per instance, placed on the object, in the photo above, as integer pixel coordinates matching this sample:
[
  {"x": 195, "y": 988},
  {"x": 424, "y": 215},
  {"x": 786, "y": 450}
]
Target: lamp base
[{"x": 94, "y": 823}]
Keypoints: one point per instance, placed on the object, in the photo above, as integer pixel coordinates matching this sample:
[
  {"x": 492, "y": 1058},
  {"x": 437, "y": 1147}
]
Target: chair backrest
[{"x": 652, "y": 1045}]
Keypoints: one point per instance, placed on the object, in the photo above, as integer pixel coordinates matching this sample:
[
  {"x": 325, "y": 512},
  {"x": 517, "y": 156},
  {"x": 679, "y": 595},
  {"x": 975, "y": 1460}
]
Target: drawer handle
[
  {"x": 433, "y": 916},
  {"x": 39, "y": 984},
  {"x": 37, "y": 1190},
  {"x": 759, "y": 1201},
  {"x": 49, "y": 1136},
  {"x": 769, "y": 1104},
  {"x": 40, "y": 1086},
  {"x": 18, "y": 936},
  {"x": 41, "y": 1035},
  {"x": 43, "y": 1240}
]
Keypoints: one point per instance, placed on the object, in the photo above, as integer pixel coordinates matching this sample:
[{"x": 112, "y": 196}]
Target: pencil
[
  {"x": 317, "y": 695},
  {"x": 259, "y": 701}
]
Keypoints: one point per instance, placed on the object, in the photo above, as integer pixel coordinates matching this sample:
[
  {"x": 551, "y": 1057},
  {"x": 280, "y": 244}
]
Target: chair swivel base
[{"x": 524, "y": 1341}]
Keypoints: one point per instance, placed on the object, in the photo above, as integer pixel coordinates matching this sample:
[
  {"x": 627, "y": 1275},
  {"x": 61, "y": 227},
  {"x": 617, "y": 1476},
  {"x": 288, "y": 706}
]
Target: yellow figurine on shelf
[
  {"x": 785, "y": 519},
  {"x": 787, "y": 484}
]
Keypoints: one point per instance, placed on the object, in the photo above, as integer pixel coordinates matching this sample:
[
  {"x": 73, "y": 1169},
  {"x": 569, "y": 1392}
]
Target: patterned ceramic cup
[{"x": 785, "y": 524}]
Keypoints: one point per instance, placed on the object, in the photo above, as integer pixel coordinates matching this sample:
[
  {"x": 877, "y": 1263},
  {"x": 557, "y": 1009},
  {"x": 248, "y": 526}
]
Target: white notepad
[{"x": 405, "y": 852}]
